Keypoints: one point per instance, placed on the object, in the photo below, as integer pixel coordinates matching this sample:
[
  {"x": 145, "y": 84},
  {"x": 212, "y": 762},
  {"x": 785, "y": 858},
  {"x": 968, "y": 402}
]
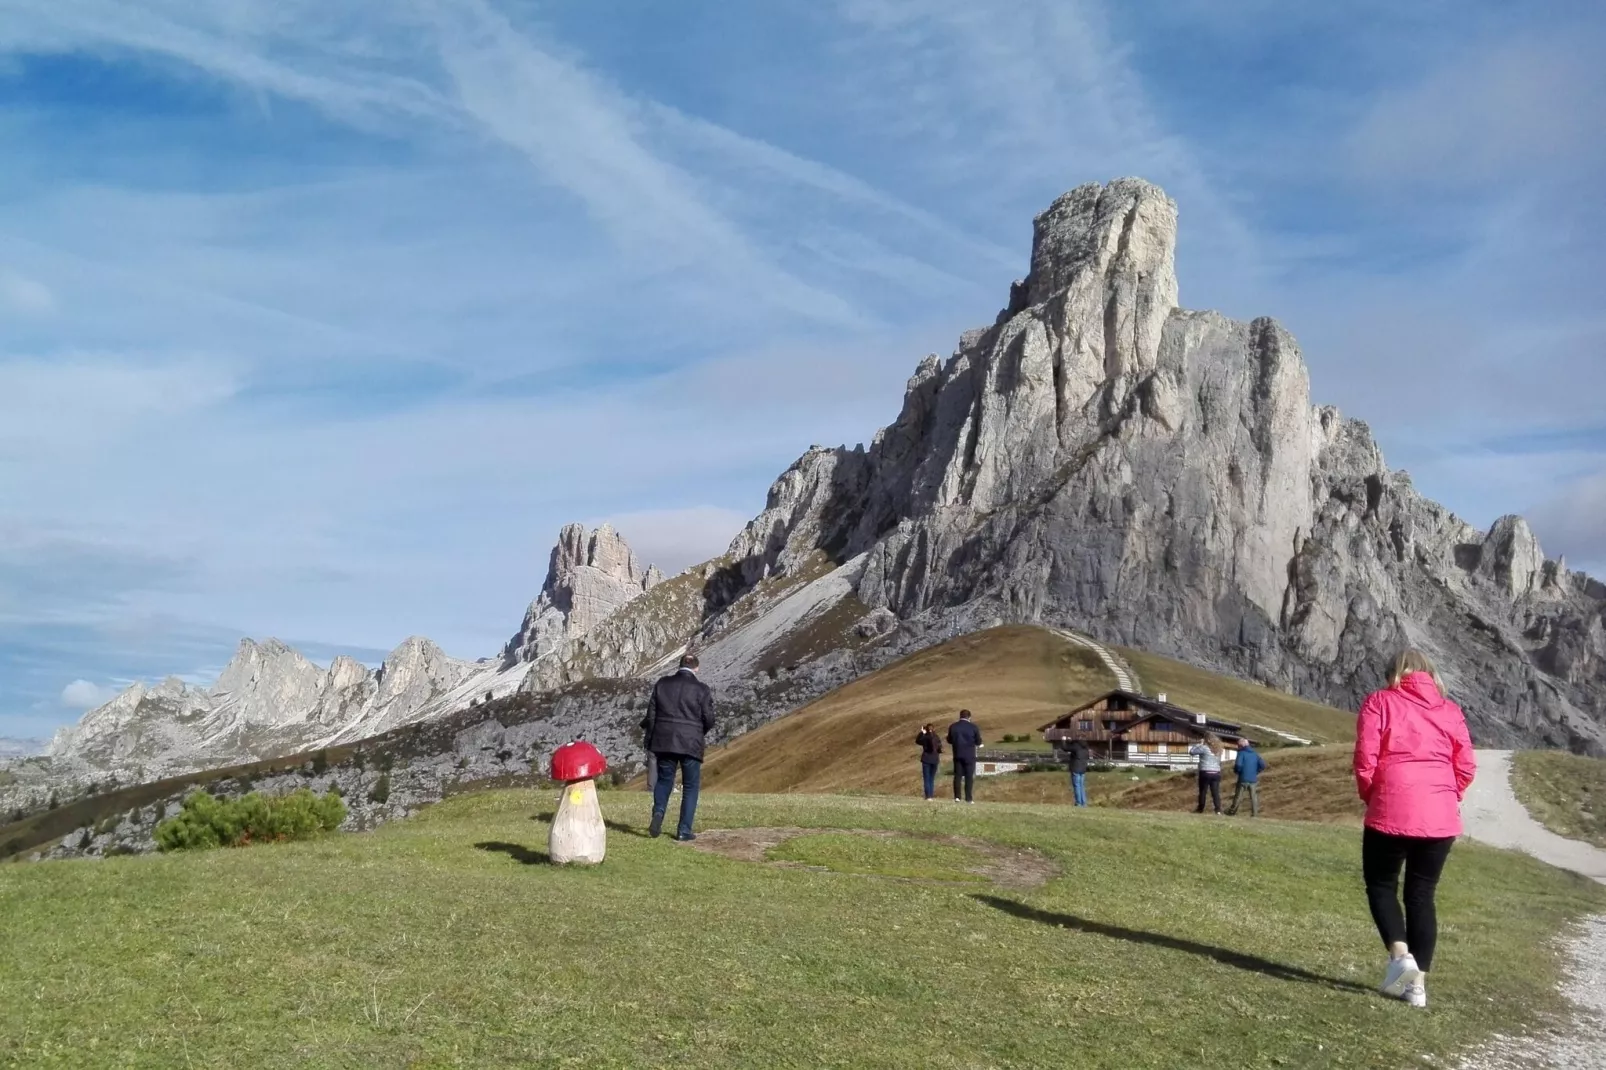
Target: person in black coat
[
  {"x": 679, "y": 714},
  {"x": 964, "y": 737},
  {"x": 930, "y": 745},
  {"x": 1076, "y": 761}
]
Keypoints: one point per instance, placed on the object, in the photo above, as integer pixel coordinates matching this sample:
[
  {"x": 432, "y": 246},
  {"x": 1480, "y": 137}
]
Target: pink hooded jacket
[{"x": 1413, "y": 760}]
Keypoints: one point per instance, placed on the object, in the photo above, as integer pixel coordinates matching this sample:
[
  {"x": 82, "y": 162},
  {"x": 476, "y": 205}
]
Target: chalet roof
[
  {"x": 1169, "y": 710},
  {"x": 1185, "y": 719}
]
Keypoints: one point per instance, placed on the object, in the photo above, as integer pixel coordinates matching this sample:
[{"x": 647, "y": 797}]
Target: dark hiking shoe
[
  {"x": 685, "y": 837},
  {"x": 656, "y": 829}
]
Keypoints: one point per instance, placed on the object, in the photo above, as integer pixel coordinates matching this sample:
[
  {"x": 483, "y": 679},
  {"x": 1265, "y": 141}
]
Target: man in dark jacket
[
  {"x": 1247, "y": 766},
  {"x": 1076, "y": 760},
  {"x": 679, "y": 714},
  {"x": 964, "y": 737}
]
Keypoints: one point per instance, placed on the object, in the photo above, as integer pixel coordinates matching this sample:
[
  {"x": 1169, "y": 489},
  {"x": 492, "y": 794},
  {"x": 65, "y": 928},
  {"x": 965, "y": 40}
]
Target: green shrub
[
  {"x": 109, "y": 825},
  {"x": 320, "y": 763},
  {"x": 207, "y": 821},
  {"x": 53, "y": 802},
  {"x": 161, "y": 810},
  {"x": 85, "y": 840},
  {"x": 381, "y": 790}
]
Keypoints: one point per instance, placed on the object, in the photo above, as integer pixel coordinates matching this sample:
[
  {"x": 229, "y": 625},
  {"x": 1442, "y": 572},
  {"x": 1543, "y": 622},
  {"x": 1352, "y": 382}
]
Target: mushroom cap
[{"x": 577, "y": 761}]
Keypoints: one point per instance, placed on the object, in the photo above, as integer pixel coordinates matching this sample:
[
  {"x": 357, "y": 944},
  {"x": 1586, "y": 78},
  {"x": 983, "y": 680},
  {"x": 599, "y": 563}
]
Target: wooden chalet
[{"x": 1125, "y": 728}]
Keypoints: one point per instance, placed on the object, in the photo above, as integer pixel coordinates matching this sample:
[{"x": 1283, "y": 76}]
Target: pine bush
[
  {"x": 207, "y": 821},
  {"x": 381, "y": 790}
]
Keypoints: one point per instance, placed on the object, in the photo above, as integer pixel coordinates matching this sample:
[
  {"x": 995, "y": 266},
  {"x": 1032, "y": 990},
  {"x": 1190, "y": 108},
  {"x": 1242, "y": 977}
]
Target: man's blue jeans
[
  {"x": 691, "y": 778},
  {"x": 1079, "y": 787},
  {"x": 928, "y": 775}
]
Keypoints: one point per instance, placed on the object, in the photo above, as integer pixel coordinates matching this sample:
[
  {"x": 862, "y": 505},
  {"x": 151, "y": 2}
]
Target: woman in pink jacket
[{"x": 1413, "y": 762}]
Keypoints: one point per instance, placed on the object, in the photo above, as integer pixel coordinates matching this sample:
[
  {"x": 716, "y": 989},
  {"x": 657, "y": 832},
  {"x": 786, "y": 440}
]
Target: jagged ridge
[{"x": 1102, "y": 459}]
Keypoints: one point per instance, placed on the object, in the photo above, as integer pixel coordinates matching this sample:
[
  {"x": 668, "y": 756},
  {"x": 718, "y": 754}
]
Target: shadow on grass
[
  {"x": 616, "y": 826},
  {"x": 1252, "y": 963},
  {"x": 523, "y": 855}
]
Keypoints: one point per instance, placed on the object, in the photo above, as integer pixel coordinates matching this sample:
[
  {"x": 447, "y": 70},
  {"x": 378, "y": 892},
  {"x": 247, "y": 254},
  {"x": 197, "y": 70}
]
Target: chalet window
[
  {"x": 1085, "y": 726},
  {"x": 1111, "y": 725}
]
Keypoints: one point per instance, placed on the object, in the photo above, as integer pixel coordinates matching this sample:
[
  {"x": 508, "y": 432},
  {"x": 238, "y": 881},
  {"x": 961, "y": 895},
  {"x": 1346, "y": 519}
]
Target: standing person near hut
[
  {"x": 1247, "y": 768},
  {"x": 1209, "y": 754},
  {"x": 679, "y": 714},
  {"x": 1076, "y": 761},
  {"x": 1413, "y": 764},
  {"x": 930, "y": 745},
  {"x": 964, "y": 737}
]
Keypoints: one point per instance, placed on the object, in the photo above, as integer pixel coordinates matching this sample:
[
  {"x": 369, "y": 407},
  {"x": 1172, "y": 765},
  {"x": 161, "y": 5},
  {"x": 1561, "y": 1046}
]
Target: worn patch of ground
[{"x": 1006, "y": 867}]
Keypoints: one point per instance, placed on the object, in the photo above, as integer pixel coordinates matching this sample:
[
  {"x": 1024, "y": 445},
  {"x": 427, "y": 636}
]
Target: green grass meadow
[
  {"x": 1564, "y": 792},
  {"x": 447, "y": 940}
]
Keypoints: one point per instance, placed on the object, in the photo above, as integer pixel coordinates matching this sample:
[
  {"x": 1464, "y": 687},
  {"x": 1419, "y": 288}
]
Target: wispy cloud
[
  {"x": 20, "y": 295},
  {"x": 322, "y": 318}
]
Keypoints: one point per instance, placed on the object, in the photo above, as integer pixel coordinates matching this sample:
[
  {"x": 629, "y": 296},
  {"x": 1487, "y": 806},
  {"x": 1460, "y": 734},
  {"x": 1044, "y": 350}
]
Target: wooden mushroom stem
[{"x": 578, "y": 834}]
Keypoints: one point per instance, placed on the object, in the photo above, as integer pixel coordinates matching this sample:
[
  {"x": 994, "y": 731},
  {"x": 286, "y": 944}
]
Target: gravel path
[{"x": 1493, "y": 815}]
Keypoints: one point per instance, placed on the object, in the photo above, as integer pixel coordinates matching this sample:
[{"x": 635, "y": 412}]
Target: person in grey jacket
[
  {"x": 1209, "y": 755},
  {"x": 679, "y": 715}
]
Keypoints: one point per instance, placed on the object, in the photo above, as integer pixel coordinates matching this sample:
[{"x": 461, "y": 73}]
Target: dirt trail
[{"x": 1493, "y": 815}]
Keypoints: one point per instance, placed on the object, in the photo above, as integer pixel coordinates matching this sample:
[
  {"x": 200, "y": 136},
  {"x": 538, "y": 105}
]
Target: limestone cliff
[
  {"x": 1102, "y": 459},
  {"x": 589, "y": 577}
]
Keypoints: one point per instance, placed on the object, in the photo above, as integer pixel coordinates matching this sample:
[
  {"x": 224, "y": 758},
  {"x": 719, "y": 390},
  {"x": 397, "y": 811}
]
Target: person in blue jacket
[{"x": 1247, "y": 767}]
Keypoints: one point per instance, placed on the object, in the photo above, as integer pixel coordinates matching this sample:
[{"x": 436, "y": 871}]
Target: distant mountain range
[
  {"x": 1098, "y": 458},
  {"x": 21, "y": 748}
]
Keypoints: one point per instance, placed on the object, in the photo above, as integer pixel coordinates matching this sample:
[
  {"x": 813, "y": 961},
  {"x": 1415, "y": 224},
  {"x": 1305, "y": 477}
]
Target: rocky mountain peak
[
  {"x": 588, "y": 578},
  {"x": 1102, "y": 459}
]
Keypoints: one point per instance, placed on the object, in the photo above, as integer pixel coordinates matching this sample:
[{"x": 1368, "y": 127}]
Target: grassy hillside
[
  {"x": 445, "y": 941},
  {"x": 861, "y": 736},
  {"x": 1564, "y": 792},
  {"x": 1016, "y": 678},
  {"x": 1238, "y": 700},
  {"x": 1300, "y": 784}
]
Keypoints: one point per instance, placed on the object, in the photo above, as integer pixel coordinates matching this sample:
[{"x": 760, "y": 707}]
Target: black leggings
[
  {"x": 1211, "y": 783},
  {"x": 1382, "y": 855}
]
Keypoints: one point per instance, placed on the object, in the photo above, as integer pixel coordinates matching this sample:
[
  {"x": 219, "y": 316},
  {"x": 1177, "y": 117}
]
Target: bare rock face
[
  {"x": 413, "y": 677},
  {"x": 1101, "y": 459},
  {"x": 590, "y": 576},
  {"x": 269, "y": 700}
]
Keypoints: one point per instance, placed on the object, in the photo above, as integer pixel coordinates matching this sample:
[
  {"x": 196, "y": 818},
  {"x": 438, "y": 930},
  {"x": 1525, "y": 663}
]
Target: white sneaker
[
  {"x": 1416, "y": 995},
  {"x": 1402, "y": 974}
]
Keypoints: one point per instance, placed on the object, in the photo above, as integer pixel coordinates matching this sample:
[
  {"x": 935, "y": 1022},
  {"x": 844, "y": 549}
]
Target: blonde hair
[
  {"x": 1411, "y": 660},
  {"x": 1213, "y": 741}
]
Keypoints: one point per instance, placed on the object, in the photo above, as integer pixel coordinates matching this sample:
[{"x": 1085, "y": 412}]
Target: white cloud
[
  {"x": 69, "y": 404},
  {"x": 674, "y": 539},
  {"x": 24, "y": 296},
  {"x": 1511, "y": 108},
  {"x": 83, "y": 695},
  {"x": 1574, "y": 523}
]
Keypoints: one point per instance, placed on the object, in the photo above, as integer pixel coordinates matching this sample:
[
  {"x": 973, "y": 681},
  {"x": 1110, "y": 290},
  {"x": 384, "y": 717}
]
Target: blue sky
[{"x": 317, "y": 321}]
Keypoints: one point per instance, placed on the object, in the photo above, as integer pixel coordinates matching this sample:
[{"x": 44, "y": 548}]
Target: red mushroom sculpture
[{"x": 578, "y": 834}]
